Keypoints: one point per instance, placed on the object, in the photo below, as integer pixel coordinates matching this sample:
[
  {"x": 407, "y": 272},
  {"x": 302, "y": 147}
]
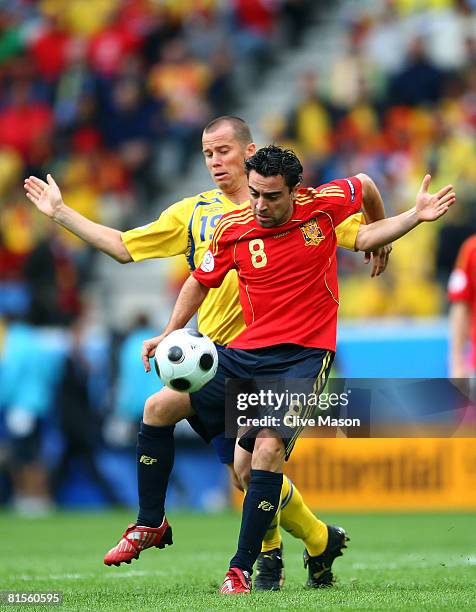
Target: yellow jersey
[{"x": 186, "y": 227}]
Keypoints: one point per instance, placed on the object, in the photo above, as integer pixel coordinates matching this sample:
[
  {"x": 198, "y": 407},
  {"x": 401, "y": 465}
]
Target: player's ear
[
  {"x": 297, "y": 186},
  {"x": 250, "y": 150}
]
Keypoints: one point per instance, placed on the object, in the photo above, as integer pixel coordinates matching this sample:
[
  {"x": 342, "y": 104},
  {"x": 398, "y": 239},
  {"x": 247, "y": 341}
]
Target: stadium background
[{"x": 111, "y": 100}]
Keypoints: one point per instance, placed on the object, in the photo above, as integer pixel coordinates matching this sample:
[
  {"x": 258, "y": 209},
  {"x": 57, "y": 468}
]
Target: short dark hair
[
  {"x": 240, "y": 128},
  {"x": 273, "y": 160}
]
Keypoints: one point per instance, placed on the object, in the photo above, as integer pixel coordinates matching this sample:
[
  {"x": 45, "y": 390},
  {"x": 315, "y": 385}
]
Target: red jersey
[
  {"x": 462, "y": 285},
  {"x": 288, "y": 273}
]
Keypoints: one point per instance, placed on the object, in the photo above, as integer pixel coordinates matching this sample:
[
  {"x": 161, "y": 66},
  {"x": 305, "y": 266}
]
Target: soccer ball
[{"x": 186, "y": 360}]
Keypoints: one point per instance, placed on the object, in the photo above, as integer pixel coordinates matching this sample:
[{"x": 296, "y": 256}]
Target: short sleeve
[
  {"x": 165, "y": 237},
  {"x": 218, "y": 260},
  {"x": 340, "y": 198}
]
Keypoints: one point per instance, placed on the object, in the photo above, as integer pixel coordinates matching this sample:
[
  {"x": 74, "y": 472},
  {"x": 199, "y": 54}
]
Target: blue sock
[
  {"x": 259, "y": 507},
  {"x": 155, "y": 459}
]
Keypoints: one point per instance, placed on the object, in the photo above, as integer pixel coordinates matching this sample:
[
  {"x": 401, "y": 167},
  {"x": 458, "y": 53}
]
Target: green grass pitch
[{"x": 394, "y": 562}]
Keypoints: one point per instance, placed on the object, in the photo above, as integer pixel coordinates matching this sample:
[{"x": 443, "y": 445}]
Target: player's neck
[{"x": 239, "y": 195}]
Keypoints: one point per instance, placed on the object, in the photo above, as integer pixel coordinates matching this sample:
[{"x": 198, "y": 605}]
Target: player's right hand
[
  {"x": 379, "y": 259},
  {"x": 148, "y": 349},
  {"x": 45, "y": 196}
]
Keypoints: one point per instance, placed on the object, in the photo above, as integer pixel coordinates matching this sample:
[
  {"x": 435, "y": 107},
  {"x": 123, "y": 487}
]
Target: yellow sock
[
  {"x": 272, "y": 537},
  {"x": 298, "y": 520}
]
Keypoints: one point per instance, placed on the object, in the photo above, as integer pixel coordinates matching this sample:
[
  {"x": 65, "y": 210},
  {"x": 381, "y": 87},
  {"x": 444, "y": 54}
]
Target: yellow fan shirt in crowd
[{"x": 186, "y": 228}]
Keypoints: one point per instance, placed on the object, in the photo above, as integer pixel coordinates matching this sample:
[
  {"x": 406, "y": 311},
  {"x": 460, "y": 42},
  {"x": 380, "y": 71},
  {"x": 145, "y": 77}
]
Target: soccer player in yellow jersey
[{"x": 186, "y": 228}]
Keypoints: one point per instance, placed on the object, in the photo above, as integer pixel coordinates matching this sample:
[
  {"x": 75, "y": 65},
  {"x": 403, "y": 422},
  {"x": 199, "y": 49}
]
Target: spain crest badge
[{"x": 312, "y": 233}]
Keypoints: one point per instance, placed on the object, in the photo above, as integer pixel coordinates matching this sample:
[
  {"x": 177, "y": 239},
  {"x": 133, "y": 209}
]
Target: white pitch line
[
  {"x": 105, "y": 574},
  {"x": 27, "y": 577},
  {"x": 135, "y": 574}
]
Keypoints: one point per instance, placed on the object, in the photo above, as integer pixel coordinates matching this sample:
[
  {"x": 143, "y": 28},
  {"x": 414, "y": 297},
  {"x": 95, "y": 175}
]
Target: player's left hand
[
  {"x": 148, "y": 349},
  {"x": 379, "y": 259},
  {"x": 430, "y": 207}
]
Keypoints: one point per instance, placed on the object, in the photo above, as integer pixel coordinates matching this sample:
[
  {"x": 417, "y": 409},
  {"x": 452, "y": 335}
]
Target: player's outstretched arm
[
  {"x": 47, "y": 198},
  {"x": 428, "y": 207},
  {"x": 374, "y": 210},
  {"x": 188, "y": 302}
]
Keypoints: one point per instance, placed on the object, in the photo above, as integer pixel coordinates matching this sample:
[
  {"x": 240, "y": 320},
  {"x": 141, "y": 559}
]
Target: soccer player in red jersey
[
  {"x": 185, "y": 228},
  {"x": 462, "y": 295},
  {"x": 284, "y": 250}
]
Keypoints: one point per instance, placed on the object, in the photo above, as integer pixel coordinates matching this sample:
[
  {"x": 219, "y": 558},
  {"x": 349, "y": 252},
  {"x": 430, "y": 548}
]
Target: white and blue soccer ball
[{"x": 186, "y": 360}]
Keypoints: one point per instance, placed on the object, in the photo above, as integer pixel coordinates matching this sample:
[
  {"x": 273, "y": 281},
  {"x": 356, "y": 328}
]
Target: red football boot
[
  {"x": 236, "y": 581},
  {"x": 136, "y": 539}
]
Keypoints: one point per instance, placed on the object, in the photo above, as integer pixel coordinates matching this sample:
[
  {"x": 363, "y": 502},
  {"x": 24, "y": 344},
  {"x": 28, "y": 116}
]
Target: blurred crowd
[{"x": 111, "y": 97}]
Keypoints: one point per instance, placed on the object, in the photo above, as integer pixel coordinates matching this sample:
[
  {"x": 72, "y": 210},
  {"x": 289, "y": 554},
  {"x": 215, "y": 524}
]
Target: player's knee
[
  {"x": 152, "y": 410},
  {"x": 268, "y": 453},
  {"x": 160, "y": 413}
]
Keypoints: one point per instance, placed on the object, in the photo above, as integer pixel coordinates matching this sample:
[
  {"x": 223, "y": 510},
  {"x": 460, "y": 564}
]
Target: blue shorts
[
  {"x": 224, "y": 448},
  {"x": 276, "y": 363}
]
